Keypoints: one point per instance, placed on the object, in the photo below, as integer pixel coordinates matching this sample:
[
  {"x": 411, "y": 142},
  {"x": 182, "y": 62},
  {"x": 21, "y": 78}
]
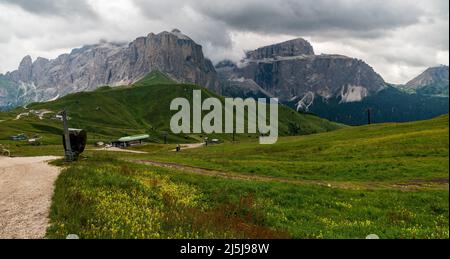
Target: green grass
[
  {"x": 382, "y": 153},
  {"x": 155, "y": 78},
  {"x": 387, "y": 179},
  {"x": 318, "y": 212},
  {"x": 104, "y": 198}
]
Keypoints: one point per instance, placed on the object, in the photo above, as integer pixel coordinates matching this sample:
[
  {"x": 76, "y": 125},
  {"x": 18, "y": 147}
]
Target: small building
[{"x": 129, "y": 141}]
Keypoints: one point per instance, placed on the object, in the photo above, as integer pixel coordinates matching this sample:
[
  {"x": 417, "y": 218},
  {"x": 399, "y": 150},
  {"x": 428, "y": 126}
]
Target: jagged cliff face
[
  {"x": 291, "y": 72},
  {"x": 90, "y": 67},
  {"x": 325, "y": 75},
  {"x": 296, "y": 47},
  {"x": 335, "y": 87}
]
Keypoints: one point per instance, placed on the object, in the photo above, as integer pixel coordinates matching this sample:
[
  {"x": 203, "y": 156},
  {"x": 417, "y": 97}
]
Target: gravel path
[
  {"x": 116, "y": 149},
  {"x": 26, "y": 188},
  {"x": 189, "y": 146}
]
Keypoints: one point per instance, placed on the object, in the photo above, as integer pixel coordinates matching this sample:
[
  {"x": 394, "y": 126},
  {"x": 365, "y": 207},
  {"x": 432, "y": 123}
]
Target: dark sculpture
[{"x": 78, "y": 139}]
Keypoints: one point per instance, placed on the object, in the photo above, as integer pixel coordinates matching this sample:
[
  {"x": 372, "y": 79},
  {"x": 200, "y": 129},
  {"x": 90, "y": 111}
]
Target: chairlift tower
[
  {"x": 164, "y": 133},
  {"x": 68, "y": 150},
  {"x": 369, "y": 121}
]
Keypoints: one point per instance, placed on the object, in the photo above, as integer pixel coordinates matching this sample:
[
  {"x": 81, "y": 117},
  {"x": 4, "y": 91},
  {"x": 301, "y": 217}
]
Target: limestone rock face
[
  {"x": 291, "y": 71},
  {"x": 25, "y": 69},
  {"x": 92, "y": 66},
  {"x": 290, "y": 48},
  {"x": 324, "y": 75}
]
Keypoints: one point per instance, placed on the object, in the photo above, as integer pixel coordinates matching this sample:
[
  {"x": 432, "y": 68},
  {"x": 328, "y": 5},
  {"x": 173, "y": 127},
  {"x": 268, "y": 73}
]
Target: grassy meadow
[{"x": 387, "y": 179}]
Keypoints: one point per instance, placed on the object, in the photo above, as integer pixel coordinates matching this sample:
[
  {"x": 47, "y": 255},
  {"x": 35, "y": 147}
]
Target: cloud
[
  {"x": 53, "y": 7},
  {"x": 305, "y": 17},
  {"x": 399, "y": 38},
  {"x": 185, "y": 16},
  {"x": 392, "y": 36}
]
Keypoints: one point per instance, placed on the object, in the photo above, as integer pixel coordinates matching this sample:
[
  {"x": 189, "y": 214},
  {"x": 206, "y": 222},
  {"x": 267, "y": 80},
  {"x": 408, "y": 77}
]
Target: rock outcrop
[
  {"x": 292, "y": 72},
  {"x": 335, "y": 87},
  {"x": 292, "y": 48},
  {"x": 92, "y": 66}
]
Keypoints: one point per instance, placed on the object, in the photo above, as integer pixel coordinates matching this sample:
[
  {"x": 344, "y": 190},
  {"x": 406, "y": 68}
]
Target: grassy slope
[
  {"x": 122, "y": 199},
  {"x": 142, "y": 108},
  {"x": 383, "y": 152}
]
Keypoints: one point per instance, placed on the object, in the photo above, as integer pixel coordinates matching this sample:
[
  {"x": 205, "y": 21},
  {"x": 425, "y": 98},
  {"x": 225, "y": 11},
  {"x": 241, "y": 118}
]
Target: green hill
[
  {"x": 379, "y": 152},
  {"x": 140, "y": 108}
]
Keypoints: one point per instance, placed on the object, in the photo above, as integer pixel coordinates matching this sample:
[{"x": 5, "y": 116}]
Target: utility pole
[
  {"x": 368, "y": 116},
  {"x": 165, "y": 136},
  {"x": 68, "y": 152}
]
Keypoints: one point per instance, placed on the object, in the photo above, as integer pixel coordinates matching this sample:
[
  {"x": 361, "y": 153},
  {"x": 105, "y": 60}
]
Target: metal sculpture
[{"x": 74, "y": 140}]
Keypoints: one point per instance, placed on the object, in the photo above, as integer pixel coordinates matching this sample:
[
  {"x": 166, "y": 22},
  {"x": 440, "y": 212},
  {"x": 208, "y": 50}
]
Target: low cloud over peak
[{"x": 398, "y": 38}]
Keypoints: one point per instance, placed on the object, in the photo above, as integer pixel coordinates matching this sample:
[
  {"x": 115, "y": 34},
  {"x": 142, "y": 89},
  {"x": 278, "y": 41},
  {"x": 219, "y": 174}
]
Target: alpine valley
[{"x": 334, "y": 87}]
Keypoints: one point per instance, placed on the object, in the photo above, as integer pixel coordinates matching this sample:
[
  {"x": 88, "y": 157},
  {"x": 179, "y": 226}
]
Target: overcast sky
[{"x": 399, "y": 38}]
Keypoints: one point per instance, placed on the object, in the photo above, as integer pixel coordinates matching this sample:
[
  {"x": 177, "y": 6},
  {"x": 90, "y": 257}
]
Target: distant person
[
  {"x": 178, "y": 148},
  {"x": 206, "y": 141}
]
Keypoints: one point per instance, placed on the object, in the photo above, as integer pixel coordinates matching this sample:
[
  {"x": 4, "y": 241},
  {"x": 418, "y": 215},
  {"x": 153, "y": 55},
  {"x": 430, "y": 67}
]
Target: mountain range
[
  {"x": 93, "y": 66},
  {"x": 335, "y": 87},
  {"x": 291, "y": 71},
  {"x": 140, "y": 108}
]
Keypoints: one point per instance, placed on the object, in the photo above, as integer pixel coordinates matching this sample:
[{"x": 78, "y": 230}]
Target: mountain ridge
[
  {"x": 91, "y": 66},
  {"x": 289, "y": 71},
  {"x": 327, "y": 83},
  {"x": 143, "y": 107}
]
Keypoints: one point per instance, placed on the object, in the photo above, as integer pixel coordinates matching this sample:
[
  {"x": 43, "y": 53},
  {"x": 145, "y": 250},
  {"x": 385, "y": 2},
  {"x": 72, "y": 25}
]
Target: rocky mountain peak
[
  {"x": 291, "y": 48},
  {"x": 175, "y": 32},
  {"x": 91, "y": 66},
  {"x": 290, "y": 71},
  {"x": 433, "y": 81},
  {"x": 25, "y": 69},
  {"x": 430, "y": 76},
  {"x": 26, "y": 61}
]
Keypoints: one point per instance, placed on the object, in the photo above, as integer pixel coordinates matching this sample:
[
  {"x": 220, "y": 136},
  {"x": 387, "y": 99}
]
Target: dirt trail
[
  {"x": 229, "y": 175},
  {"x": 116, "y": 149},
  {"x": 189, "y": 146},
  {"x": 406, "y": 186},
  {"x": 26, "y": 188}
]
